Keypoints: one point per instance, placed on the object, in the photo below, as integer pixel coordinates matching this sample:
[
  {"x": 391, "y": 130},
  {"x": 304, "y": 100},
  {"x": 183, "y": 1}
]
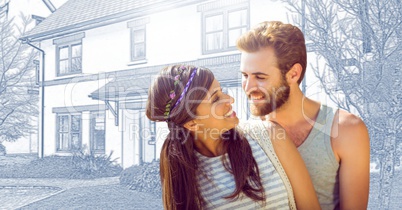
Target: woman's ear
[
  {"x": 191, "y": 125},
  {"x": 293, "y": 75}
]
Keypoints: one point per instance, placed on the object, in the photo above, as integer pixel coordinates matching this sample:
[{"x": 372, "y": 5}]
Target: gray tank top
[{"x": 320, "y": 160}]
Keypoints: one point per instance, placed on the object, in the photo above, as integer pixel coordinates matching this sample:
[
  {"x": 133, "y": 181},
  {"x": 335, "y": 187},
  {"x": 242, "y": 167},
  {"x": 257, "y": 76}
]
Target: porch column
[{"x": 86, "y": 130}]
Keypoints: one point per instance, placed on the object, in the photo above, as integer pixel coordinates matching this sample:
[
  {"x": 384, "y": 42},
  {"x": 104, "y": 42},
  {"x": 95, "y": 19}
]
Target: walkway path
[{"x": 56, "y": 182}]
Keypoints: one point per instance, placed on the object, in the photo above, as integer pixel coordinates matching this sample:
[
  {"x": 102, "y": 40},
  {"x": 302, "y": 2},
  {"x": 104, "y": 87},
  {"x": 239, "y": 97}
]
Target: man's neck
[
  {"x": 297, "y": 116},
  {"x": 297, "y": 109}
]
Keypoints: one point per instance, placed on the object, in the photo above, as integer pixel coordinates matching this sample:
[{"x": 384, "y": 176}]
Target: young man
[{"x": 334, "y": 143}]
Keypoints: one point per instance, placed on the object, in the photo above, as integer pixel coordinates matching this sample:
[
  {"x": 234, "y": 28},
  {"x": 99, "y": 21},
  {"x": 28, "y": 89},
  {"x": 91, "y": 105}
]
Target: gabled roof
[
  {"x": 77, "y": 15},
  {"x": 134, "y": 83},
  {"x": 136, "y": 87}
]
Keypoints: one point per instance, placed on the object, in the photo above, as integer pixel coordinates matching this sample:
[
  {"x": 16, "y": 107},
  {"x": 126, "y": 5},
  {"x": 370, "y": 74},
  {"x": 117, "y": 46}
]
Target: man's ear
[
  {"x": 191, "y": 125},
  {"x": 293, "y": 75}
]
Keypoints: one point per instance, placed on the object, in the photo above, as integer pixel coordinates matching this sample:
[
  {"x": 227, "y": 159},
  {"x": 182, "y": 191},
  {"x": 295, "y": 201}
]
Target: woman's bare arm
[{"x": 294, "y": 167}]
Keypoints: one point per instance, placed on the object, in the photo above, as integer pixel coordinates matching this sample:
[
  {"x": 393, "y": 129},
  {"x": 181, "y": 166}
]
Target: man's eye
[{"x": 245, "y": 75}]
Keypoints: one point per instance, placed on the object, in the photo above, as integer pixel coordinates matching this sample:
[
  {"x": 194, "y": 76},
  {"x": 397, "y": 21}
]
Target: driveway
[{"x": 102, "y": 193}]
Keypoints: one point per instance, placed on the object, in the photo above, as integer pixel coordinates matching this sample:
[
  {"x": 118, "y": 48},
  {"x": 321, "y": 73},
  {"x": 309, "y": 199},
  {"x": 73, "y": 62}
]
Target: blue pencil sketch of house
[{"x": 99, "y": 59}]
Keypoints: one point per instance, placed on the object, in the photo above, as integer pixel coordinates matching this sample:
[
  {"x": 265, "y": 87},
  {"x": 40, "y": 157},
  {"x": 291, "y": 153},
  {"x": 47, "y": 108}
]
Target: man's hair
[{"x": 286, "y": 40}]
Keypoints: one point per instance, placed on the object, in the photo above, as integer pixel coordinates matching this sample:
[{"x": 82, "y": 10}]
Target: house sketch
[{"x": 98, "y": 59}]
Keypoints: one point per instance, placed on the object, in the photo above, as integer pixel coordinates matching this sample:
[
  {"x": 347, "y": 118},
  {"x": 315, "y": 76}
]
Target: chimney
[{"x": 49, "y": 5}]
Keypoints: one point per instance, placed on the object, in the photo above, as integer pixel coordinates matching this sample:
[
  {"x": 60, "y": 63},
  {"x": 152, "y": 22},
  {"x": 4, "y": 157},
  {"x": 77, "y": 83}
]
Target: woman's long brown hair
[{"x": 178, "y": 163}]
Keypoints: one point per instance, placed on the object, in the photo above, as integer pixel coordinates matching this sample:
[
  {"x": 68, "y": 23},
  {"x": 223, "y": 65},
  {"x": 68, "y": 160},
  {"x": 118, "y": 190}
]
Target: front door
[{"x": 98, "y": 131}]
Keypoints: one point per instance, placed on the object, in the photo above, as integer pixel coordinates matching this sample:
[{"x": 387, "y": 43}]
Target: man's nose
[{"x": 249, "y": 85}]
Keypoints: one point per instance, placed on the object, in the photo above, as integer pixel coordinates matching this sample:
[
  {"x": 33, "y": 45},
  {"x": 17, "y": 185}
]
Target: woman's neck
[{"x": 209, "y": 147}]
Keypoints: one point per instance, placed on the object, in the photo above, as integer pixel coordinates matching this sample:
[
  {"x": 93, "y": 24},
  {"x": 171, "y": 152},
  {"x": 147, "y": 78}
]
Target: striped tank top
[{"x": 216, "y": 183}]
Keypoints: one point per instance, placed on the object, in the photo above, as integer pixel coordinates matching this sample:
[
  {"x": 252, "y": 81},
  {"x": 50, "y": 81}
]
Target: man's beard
[{"x": 276, "y": 99}]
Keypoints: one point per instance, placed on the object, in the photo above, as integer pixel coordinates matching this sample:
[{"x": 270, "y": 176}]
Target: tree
[
  {"x": 361, "y": 43},
  {"x": 18, "y": 108}
]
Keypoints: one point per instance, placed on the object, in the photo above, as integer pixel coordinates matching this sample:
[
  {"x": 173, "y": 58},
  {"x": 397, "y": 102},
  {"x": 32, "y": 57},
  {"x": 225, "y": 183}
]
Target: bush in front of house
[
  {"x": 62, "y": 167},
  {"x": 47, "y": 167},
  {"x": 143, "y": 178},
  {"x": 91, "y": 165}
]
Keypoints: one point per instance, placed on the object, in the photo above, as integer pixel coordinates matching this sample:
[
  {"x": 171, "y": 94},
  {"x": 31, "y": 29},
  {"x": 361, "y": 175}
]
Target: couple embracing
[{"x": 296, "y": 154}]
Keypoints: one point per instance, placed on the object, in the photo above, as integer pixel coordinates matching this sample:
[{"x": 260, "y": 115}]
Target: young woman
[{"x": 205, "y": 163}]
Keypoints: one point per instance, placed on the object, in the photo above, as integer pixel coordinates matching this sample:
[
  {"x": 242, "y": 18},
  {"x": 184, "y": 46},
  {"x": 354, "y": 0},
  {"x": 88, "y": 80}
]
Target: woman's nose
[{"x": 230, "y": 101}]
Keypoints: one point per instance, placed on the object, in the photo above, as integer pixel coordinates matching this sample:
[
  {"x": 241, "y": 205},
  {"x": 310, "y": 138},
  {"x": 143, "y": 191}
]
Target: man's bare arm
[{"x": 351, "y": 144}]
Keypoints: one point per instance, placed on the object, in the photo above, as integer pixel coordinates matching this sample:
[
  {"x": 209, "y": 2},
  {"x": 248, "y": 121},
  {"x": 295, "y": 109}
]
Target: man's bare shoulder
[
  {"x": 348, "y": 120},
  {"x": 349, "y": 133}
]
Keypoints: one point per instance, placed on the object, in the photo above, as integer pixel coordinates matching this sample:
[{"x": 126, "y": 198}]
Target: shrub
[
  {"x": 47, "y": 167},
  {"x": 63, "y": 167},
  {"x": 143, "y": 178},
  {"x": 91, "y": 165}
]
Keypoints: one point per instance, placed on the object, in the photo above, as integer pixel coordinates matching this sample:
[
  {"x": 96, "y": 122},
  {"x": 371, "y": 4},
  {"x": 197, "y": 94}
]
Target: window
[
  {"x": 237, "y": 25},
  {"x": 137, "y": 43},
  {"x": 69, "y": 59},
  {"x": 68, "y": 132},
  {"x": 69, "y": 54},
  {"x": 222, "y": 28},
  {"x": 214, "y": 32},
  {"x": 138, "y": 38},
  {"x": 98, "y": 131}
]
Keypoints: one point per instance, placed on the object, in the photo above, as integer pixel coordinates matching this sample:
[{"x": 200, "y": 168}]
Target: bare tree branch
[{"x": 17, "y": 106}]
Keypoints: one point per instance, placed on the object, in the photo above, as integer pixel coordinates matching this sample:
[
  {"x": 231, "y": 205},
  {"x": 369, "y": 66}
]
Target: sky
[{"x": 30, "y": 7}]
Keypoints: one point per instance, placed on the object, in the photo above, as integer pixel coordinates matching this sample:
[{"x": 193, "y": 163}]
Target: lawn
[
  {"x": 99, "y": 197},
  {"x": 32, "y": 194}
]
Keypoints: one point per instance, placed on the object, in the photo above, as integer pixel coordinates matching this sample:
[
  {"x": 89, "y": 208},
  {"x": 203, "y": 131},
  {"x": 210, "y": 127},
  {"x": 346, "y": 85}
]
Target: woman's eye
[{"x": 216, "y": 99}]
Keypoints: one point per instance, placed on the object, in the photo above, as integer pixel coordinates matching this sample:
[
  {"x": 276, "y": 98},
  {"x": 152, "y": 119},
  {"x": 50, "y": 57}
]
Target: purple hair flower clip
[{"x": 172, "y": 93}]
